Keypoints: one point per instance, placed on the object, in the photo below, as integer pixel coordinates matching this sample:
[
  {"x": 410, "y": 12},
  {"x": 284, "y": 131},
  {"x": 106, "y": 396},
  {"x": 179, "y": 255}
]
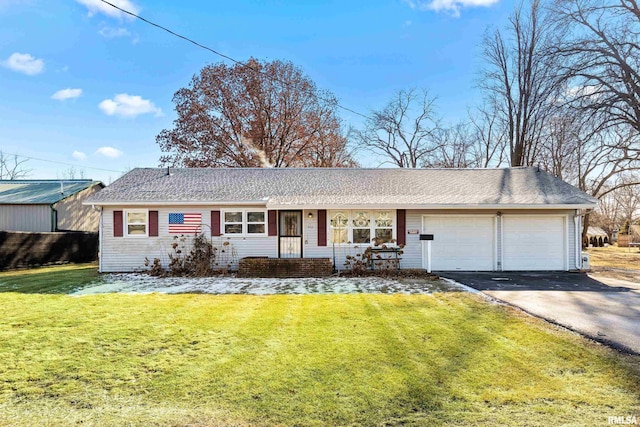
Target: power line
[
  {"x": 60, "y": 163},
  {"x": 215, "y": 52}
]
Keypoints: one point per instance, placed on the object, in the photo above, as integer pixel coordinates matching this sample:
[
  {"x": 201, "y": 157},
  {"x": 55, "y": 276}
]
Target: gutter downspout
[{"x": 577, "y": 221}]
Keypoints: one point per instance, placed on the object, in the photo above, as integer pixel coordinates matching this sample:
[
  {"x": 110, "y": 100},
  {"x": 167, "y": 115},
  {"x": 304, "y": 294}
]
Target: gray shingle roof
[
  {"x": 317, "y": 187},
  {"x": 39, "y": 192}
]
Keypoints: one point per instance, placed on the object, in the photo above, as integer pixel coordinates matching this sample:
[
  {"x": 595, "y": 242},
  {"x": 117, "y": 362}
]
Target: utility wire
[
  {"x": 215, "y": 52},
  {"x": 60, "y": 163}
]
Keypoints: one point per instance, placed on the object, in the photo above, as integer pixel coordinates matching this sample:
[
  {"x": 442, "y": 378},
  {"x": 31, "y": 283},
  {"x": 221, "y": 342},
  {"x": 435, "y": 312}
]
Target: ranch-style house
[{"x": 446, "y": 219}]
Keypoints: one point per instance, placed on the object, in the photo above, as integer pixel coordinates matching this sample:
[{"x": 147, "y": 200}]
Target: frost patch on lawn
[{"x": 142, "y": 283}]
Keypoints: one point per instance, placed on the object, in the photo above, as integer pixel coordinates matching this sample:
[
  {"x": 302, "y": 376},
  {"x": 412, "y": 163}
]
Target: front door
[{"x": 290, "y": 234}]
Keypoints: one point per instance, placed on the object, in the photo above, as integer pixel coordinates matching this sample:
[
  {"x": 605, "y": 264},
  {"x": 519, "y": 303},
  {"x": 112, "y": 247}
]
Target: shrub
[
  {"x": 363, "y": 261},
  {"x": 202, "y": 260}
]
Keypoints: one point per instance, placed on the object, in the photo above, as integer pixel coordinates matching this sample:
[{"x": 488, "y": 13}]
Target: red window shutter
[
  {"x": 273, "y": 223},
  {"x": 322, "y": 227},
  {"x": 215, "y": 223},
  {"x": 153, "y": 223},
  {"x": 401, "y": 216},
  {"x": 117, "y": 224}
]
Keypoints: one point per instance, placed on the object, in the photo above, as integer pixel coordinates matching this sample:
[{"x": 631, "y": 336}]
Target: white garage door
[
  {"x": 533, "y": 243},
  {"x": 464, "y": 243}
]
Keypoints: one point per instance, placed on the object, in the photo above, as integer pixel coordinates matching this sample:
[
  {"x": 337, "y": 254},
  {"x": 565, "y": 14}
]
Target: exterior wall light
[{"x": 310, "y": 216}]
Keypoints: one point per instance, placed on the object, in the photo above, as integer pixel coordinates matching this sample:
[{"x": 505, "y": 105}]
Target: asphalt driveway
[{"x": 605, "y": 309}]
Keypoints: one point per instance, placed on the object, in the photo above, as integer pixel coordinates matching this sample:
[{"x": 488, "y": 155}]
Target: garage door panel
[
  {"x": 461, "y": 243},
  {"x": 534, "y": 243}
]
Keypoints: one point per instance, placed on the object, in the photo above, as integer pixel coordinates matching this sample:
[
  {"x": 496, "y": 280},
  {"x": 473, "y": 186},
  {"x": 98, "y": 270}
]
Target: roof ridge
[
  {"x": 44, "y": 181},
  {"x": 338, "y": 169}
]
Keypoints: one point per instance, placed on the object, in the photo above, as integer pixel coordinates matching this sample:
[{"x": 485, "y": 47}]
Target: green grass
[
  {"x": 202, "y": 360},
  {"x": 58, "y": 279}
]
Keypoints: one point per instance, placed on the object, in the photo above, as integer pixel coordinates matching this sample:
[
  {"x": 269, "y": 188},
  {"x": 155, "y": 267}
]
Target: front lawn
[
  {"x": 56, "y": 279},
  {"x": 615, "y": 257},
  {"x": 208, "y": 360}
]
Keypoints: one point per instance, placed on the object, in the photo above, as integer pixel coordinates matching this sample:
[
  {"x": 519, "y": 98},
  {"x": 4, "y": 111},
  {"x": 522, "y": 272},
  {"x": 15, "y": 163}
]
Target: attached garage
[
  {"x": 534, "y": 242},
  {"x": 461, "y": 243}
]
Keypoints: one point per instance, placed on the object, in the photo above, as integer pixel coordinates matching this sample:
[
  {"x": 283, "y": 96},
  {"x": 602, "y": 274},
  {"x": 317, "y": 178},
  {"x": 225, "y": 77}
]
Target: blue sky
[{"x": 82, "y": 84}]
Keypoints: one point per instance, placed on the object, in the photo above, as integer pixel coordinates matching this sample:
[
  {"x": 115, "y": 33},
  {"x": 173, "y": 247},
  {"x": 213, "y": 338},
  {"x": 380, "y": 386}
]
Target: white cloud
[
  {"x": 582, "y": 91},
  {"x": 451, "y": 6},
  {"x": 96, "y": 6},
  {"x": 112, "y": 153},
  {"x": 68, "y": 93},
  {"x": 112, "y": 33},
  {"x": 24, "y": 63},
  {"x": 79, "y": 155},
  {"x": 128, "y": 106}
]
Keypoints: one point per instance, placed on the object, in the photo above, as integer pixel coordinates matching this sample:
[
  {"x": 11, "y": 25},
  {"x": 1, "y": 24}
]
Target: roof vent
[
  {"x": 61, "y": 187},
  {"x": 169, "y": 173}
]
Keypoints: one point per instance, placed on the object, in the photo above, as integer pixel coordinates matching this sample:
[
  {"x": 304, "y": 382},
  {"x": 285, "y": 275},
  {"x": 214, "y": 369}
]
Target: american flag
[{"x": 185, "y": 223}]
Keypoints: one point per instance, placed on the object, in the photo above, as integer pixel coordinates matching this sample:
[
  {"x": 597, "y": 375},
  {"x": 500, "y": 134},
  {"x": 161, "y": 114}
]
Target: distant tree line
[{"x": 561, "y": 90}]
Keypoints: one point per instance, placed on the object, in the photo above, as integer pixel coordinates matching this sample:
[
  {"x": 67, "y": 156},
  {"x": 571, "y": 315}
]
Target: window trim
[
  {"x": 263, "y": 222},
  {"x": 372, "y": 226},
  {"x": 245, "y": 223},
  {"x": 126, "y": 224},
  {"x": 225, "y": 222}
]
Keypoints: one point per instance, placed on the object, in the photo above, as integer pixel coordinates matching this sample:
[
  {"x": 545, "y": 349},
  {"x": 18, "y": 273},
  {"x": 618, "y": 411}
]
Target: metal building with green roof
[{"x": 48, "y": 205}]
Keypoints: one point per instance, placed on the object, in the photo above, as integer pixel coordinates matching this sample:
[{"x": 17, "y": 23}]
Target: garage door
[
  {"x": 533, "y": 243},
  {"x": 463, "y": 243}
]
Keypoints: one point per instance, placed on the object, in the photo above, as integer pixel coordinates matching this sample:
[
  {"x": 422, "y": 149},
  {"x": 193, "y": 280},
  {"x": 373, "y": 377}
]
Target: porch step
[{"x": 285, "y": 267}]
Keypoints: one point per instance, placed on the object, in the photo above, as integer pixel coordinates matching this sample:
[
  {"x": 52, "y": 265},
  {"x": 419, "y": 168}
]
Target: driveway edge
[{"x": 611, "y": 344}]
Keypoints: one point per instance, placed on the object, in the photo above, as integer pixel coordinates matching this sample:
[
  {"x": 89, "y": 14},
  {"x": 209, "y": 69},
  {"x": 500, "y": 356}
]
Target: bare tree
[
  {"x": 606, "y": 216},
  {"x": 627, "y": 197},
  {"x": 603, "y": 158},
  {"x": 11, "y": 167},
  {"x": 559, "y": 153},
  {"x": 72, "y": 173},
  {"x": 618, "y": 206},
  {"x": 454, "y": 148},
  {"x": 404, "y": 132},
  {"x": 254, "y": 114},
  {"x": 490, "y": 136},
  {"x": 520, "y": 79},
  {"x": 602, "y": 58}
]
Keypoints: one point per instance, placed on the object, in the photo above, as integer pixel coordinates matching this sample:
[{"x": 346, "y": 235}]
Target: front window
[
  {"x": 256, "y": 222},
  {"x": 233, "y": 222},
  {"x": 339, "y": 227},
  {"x": 136, "y": 223},
  {"x": 245, "y": 222},
  {"x": 384, "y": 226},
  {"x": 361, "y": 226}
]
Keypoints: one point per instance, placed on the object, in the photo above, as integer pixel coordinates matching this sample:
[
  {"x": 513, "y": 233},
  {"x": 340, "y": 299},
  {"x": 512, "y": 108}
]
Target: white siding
[
  {"x": 34, "y": 218},
  {"x": 412, "y": 256},
  {"x": 572, "y": 243},
  {"x": 128, "y": 253},
  {"x": 310, "y": 248}
]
